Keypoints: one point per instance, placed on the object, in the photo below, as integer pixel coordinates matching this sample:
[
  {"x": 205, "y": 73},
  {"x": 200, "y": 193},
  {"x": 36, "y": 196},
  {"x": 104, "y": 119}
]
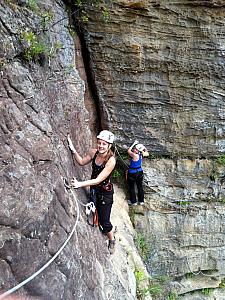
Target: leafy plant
[
  {"x": 155, "y": 289},
  {"x": 143, "y": 246},
  {"x": 34, "y": 47},
  {"x": 141, "y": 291},
  {"x": 82, "y": 9},
  {"x": 221, "y": 160},
  {"x": 139, "y": 275},
  {"x": 189, "y": 275},
  {"x": 222, "y": 284},
  {"x": 46, "y": 18},
  {"x": 32, "y": 4},
  {"x": 207, "y": 291},
  {"x": 172, "y": 296},
  {"x": 222, "y": 200},
  {"x": 116, "y": 173},
  {"x": 184, "y": 203}
]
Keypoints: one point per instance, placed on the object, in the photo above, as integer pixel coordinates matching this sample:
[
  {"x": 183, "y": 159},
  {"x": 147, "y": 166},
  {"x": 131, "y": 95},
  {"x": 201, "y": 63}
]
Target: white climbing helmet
[
  {"x": 106, "y": 136},
  {"x": 140, "y": 147}
]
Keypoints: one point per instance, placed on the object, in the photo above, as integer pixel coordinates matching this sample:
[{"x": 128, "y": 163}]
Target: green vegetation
[
  {"x": 207, "y": 291},
  {"x": 116, "y": 173},
  {"x": 34, "y": 47},
  {"x": 46, "y": 18},
  {"x": 82, "y": 9},
  {"x": 189, "y": 275},
  {"x": 156, "y": 287},
  {"x": 172, "y": 296},
  {"x": 143, "y": 246},
  {"x": 32, "y": 4},
  {"x": 221, "y": 160},
  {"x": 139, "y": 275},
  {"x": 222, "y": 284},
  {"x": 141, "y": 291},
  {"x": 34, "y": 44},
  {"x": 222, "y": 200}
]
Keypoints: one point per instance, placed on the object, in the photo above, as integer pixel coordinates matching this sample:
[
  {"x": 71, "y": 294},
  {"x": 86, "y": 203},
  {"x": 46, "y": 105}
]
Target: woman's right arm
[
  {"x": 130, "y": 152},
  {"x": 82, "y": 161}
]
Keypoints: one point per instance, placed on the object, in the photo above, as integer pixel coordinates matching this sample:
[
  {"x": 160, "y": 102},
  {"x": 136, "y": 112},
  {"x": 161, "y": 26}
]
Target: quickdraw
[{"x": 91, "y": 211}]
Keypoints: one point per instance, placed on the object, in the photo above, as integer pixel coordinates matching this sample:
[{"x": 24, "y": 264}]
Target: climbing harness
[{"x": 12, "y": 290}]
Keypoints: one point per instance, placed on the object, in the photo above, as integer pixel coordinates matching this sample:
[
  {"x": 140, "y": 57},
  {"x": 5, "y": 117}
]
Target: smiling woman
[{"x": 101, "y": 191}]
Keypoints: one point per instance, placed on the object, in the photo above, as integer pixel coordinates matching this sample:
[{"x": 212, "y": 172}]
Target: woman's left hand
[{"x": 76, "y": 184}]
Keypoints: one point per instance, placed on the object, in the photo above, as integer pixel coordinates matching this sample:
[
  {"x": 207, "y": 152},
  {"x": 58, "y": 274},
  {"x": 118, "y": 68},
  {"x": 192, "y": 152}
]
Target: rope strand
[{"x": 12, "y": 290}]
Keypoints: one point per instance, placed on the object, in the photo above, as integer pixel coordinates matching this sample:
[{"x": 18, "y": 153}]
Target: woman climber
[
  {"x": 135, "y": 173},
  {"x": 101, "y": 188}
]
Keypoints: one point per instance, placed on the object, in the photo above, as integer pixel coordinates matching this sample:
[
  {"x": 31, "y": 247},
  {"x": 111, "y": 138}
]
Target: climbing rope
[
  {"x": 12, "y": 290},
  {"x": 89, "y": 207},
  {"x": 121, "y": 157}
]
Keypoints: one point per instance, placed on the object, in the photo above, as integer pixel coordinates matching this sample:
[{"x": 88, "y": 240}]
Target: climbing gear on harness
[
  {"x": 106, "y": 136},
  {"x": 91, "y": 210},
  {"x": 90, "y": 207},
  {"x": 107, "y": 187}
]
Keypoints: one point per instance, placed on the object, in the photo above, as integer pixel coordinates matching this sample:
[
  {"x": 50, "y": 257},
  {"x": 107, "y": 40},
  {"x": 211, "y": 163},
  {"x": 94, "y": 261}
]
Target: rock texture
[
  {"x": 159, "y": 69},
  {"x": 42, "y": 100}
]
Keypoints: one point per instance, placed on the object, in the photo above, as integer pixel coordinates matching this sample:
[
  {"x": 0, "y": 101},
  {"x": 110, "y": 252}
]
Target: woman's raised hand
[{"x": 71, "y": 146}]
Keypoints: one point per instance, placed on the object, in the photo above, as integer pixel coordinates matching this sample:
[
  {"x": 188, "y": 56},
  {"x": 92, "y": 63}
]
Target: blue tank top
[{"x": 135, "y": 166}]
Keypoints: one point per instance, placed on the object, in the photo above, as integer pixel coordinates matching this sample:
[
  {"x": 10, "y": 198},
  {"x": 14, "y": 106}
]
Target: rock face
[
  {"x": 159, "y": 69},
  {"x": 42, "y": 100}
]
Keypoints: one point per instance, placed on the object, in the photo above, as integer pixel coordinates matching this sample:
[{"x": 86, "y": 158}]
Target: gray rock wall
[
  {"x": 158, "y": 72},
  {"x": 42, "y": 100},
  {"x": 159, "y": 69}
]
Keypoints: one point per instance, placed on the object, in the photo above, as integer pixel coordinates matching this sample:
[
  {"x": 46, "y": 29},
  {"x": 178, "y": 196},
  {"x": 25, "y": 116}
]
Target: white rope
[
  {"x": 68, "y": 186},
  {"x": 50, "y": 261}
]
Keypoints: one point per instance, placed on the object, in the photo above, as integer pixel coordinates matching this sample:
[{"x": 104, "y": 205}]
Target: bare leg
[{"x": 110, "y": 235}]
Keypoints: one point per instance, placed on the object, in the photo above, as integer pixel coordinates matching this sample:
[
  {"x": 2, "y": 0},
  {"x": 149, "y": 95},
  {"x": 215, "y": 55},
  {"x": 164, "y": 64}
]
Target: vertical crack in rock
[{"x": 90, "y": 79}]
